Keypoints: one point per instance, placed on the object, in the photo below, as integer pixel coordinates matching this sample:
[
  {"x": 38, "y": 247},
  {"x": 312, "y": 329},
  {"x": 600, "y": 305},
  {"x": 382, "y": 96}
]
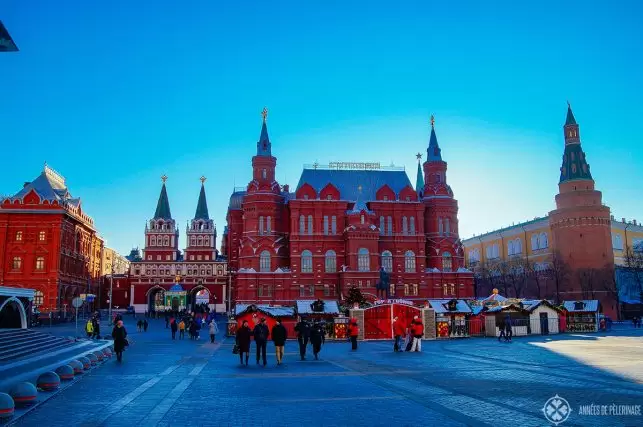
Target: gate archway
[
  {"x": 378, "y": 320},
  {"x": 13, "y": 314}
]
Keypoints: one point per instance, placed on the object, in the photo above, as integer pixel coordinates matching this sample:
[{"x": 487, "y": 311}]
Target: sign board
[
  {"x": 354, "y": 165},
  {"x": 393, "y": 301},
  {"x": 77, "y": 302}
]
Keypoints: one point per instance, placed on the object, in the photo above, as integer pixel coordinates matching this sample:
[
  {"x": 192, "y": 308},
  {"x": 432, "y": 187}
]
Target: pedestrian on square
[
  {"x": 417, "y": 331},
  {"x": 119, "y": 333},
  {"x": 173, "y": 328},
  {"x": 399, "y": 331},
  {"x": 279, "y": 335},
  {"x": 316, "y": 338},
  {"x": 192, "y": 330},
  {"x": 508, "y": 329},
  {"x": 89, "y": 328},
  {"x": 243, "y": 341},
  {"x": 145, "y": 325},
  {"x": 353, "y": 333},
  {"x": 96, "y": 324},
  {"x": 261, "y": 333},
  {"x": 181, "y": 329},
  {"x": 214, "y": 329},
  {"x": 502, "y": 327},
  {"x": 139, "y": 325},
  {"x": 303, "y": 335}
]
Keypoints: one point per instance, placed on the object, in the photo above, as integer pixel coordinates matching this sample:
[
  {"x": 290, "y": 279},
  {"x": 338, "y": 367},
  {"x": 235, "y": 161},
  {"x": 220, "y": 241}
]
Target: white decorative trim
[
  {"x": 21, "y": 309},
  {"x": 6, "y": 291}
]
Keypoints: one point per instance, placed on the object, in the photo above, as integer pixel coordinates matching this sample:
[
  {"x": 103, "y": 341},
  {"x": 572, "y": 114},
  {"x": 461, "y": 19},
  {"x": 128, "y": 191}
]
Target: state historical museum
[{"x": 342, "y": 224}]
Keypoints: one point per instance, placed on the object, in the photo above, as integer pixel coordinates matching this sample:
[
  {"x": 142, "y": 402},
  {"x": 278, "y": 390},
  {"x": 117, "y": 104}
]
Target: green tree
[{"x": 354, "y": 296}]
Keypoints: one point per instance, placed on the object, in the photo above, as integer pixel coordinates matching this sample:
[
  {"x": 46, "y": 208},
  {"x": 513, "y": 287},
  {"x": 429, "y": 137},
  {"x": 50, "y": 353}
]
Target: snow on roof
[
  {"x": 440, "y": 306},
  {"x": 585, "y": 306},
  {"x": 330, "y": 307},
  {"x": 270, "y": 310}
]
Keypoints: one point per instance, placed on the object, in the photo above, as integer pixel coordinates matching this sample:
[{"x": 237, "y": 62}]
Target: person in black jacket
[
  {"x": 316, "y": 337},
  {"x": 303, "y": 333},
  {"x": 261, "y": 333},
  {"x": 120, "y": 340},
  {"x": 243, "y": 341},
  {"x": 279, "y": 335}
]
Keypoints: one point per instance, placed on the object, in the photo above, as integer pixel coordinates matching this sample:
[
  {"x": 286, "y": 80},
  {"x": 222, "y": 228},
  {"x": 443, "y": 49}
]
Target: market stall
[
  {"x": 325, "y": 311},
  {"x": 451, "y": 317},
  {"x": 175, "y": 298},
  {"x": 254, "y": 312},
  {"x": 582, "y": 315}
]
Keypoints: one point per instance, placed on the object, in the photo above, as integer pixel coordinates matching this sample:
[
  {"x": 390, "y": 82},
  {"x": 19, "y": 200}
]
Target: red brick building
[
  {"x": 47, "y": 243},
  {"x": 195, "y": 277},
  {"x": 337, "y": 229}
]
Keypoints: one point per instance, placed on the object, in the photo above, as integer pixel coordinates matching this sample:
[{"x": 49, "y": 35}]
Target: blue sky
[{"x": 114, "y": 95}]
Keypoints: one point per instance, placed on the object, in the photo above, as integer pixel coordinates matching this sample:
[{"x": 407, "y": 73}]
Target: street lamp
[{"x": 6, "y": 42}]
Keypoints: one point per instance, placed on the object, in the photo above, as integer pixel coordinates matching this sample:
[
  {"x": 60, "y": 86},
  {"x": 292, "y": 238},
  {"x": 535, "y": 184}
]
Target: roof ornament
[
  {"x": 202, "y": 179},
  {"x": 419, "y": 157},
  {"x": 432, "y": 120},
  {"x": 164, "y": 178},
  {"x": 264, "y": 114},
  {"x": 315, "y": 165},
  {"x": 568, "y": 104}
]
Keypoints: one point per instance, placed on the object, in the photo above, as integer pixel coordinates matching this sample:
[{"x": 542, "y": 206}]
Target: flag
[{"x": 6, "y": 42}]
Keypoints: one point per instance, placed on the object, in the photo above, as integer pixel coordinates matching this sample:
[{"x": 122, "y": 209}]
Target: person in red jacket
[
  {"x": 399, "y": 331},
  {"x": 353, "y": 332},
  {"x": 417, "y": 330}
]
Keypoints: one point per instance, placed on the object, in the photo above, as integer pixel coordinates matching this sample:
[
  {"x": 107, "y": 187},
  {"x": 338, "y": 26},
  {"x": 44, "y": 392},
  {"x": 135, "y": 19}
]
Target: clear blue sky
[{"x": 113, "y": 95}]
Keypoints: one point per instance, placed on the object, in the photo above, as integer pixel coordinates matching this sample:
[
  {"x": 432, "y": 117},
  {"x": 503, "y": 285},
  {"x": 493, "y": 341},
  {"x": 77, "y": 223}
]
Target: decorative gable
[
  {"x": 408, "y": 194},
  {"x": 385, "y": 193},
  {"x": 329, "y": 192},
  {"x": 305, "y": 192}
]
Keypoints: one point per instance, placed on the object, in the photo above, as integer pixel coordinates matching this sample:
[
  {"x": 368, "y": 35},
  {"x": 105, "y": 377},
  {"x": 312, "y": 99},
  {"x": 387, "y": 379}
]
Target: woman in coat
[
  {"x": 279, "y": 335},
  {"x": 214, "y": 329},
  {"x": 120, "y": 339},
  {"x": 243, "y": 341},
  {"x": 353, "y": 332},
  {"x": 316, "y": 338}
]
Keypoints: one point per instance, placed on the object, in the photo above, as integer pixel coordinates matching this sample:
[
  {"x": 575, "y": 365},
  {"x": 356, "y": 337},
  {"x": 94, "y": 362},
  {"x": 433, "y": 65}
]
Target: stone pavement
[{"x": 477, "y": 382}]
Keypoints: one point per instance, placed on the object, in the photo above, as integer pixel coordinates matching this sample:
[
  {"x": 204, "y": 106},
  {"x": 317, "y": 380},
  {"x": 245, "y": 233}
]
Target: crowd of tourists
[{"x": 193, "y": 323}]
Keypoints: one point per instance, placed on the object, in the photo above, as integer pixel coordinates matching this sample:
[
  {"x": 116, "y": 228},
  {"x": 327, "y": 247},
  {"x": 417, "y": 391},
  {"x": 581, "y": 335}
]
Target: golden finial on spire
[
  {"x": 164, "y": 178},
  {"x": 432, "y": 120},
  {"x": 264, "y": 114},
  {"x": 202, "y": 179},
  {"x": 418, "y": 156}
]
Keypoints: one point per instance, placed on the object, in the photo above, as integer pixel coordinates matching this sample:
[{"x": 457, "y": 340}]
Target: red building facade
[
  {"x": 47, "y": 243},
  {"x": 337, "y": 229},
  {"x": 199, "y": 273}
]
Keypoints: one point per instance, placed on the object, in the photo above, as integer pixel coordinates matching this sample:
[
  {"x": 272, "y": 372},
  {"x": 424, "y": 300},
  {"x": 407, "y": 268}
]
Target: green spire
[
  {"x": 163, "y": 205},
  {"x": 419, "y": 182},
  {"x": 570, "y": 116},
  {"x": 202, "y": 205}
]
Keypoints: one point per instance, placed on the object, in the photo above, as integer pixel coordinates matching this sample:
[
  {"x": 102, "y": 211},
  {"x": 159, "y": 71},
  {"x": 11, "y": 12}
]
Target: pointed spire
[
  {"x": 202, "y": 205},
  {"x": 263, "y": 145},
  {"x": 570, "y": 116},
  {"x": 433, "y": 153},
  {"x": 163, "y": 205},
  {"x": 419, "y": 182}
]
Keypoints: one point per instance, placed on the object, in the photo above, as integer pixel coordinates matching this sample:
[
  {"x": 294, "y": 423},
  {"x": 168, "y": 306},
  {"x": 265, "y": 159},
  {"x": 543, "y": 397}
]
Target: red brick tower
[
  {"x": 443, "y": 247},
  {"x": 581, "y": 226},
  {"x": 161, "y": 234},
  {"x": 201, "y": 232}
]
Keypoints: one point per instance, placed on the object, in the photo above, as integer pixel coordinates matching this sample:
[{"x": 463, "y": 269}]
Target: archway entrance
[
  {"x": 156, "y": 300},
  {"x": 175, "y": 303},
  {"x": 200, "y": 300},
  {"x": 378, "y": 320},
  {"x": 12, "y": 314}
]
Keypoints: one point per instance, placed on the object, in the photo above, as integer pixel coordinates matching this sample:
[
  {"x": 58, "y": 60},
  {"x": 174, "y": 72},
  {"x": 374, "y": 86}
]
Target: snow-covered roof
[
  {"x": 330, "y": 307},
  {"x": 441, "y": 306},
  {"x": 273, "y": 311},
  {"x": 587, "y": 305}
]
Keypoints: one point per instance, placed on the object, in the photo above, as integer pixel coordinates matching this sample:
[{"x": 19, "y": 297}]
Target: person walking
[
  {"x": 353, "y": 333},
  {"x": 303, "y": 334},
  {"x": 279, "y": 335},
  {"x": 119, "y": 333},
  {"x": 261, "y": 333},
  {"x": 502, "y": 328},
  {"x": 399, "y": 331},
  {"x": 96, "y": 325},
  {"x": 417, "y": 331},
  {"x": 214, "y": 329},
  {"x": 89, "y": 328},
  {"x": 181, "y": 329},
  {"x": 316, "y": 338},
  {"x": 243, "y": 341},
  {"x": 145, "y": 325},
  {"x": 139, "y": 325},
  {"x": 173, "y": 328},
  {"x": 192, "y": 329},
  {"x": 508, "y": 328}
]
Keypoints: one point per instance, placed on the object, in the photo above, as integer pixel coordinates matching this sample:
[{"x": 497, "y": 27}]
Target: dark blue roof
[
  {"x": 348, "y": 182},
  {"x": 263, "y": 145},
  {"x": 433, "y": 153},
  {"x": 236, "y": 200},
  {"x": 163, "y": 206},
  {"x": 202, "y": 206},
  {"x": 570, "y": 117}
]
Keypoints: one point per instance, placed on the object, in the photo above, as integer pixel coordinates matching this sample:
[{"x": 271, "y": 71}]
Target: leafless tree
[
  {"x": 515, "y": 275},
  {"x": 589, "y": 279},
  {"x": 535, "y": 275},
  {"x": 560, "y": 273},
  {"x": 634, "y": 265}
]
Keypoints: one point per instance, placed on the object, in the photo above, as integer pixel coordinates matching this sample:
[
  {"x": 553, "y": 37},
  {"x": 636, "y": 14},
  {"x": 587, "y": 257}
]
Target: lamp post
[
  {"x": 230, "y": 273},
  {"x": 111, "y": 287}
]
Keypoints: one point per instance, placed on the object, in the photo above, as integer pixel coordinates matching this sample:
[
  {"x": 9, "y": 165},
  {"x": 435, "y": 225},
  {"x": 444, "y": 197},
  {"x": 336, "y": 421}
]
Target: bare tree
[
  {"x": 514, "y": 274},
  {"x": 534, "y": 275},
  {"x": 634, "y": 265},
  {"x": 589, "y": 279},
  {"x": 560, "y": 273}
]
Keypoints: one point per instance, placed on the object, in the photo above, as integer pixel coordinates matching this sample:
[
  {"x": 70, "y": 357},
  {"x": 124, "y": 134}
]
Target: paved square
[{"x": 477, "y": 382}]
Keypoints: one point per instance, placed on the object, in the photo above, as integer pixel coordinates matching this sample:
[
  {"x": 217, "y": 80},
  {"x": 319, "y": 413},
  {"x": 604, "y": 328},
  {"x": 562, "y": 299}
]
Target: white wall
[{"x": 552, "y": 316}]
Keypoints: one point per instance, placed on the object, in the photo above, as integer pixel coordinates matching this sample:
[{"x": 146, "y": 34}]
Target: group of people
[
  {"x": 92, "y": 327},
  {"x": 505, "y": 328},
  {"x": 314, "y": 332},
  {"x": 411, "y": 334},
  {"x": 193, "y": 326},
  {"x": 142, "y": 325}
]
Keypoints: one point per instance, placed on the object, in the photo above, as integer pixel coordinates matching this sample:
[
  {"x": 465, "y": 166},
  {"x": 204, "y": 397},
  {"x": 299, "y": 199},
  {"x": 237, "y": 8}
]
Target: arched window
[
  {"x": 389, "y": 224},
  {"x": 409, "y": 262},
  {"x": 330, "y": 262},
  {"x": 166, "y": 241},
  {"x": 306, "y": 261},
  {"x": 534, "y": 242},
  {"x": 38, "y": 298},
  {"x": 260, "y": 225},
  {"x": 387, "y": 261},
  {"x": 192, "y": 241},
  {"x": 543, "y": 241},
  {"x": 40, "y": 263},
  {"x": 206, "y": 241},
  {"x": 17, "y": 263},
  {"x": 199, "y": 241},
  {"x": 18, "y": 236},
  {"x": 405, "y": 226},
  {"x": 382, "y": 230},
  {"x": 517, "y": 246},
  {"x": 268, "y": 225},
  {"x": 617, "y": 242},
  {"x": 447, "y": 261},
  {"x": 412, "y": 219},
  {"x": 264, "y": 262},
  {"x": 310, "y": 224},
  {"x": 363, "y": 263},
  {"x": 496, "y": 253},
  {"x": 440, "y": 226},
  {"x": 302, "y": 224},
  {"x": 510, "y": 247}
]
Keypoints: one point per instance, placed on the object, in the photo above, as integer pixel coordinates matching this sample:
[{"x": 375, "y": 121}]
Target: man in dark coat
[
  {"x": 243, "y": 341},
  {"x": 316, "y": 337},
  {"x": 279, "y": 335},
  {"x": 261, "y": 333},
  {"x": 120, "y": 340},
  {"x": 174, "y": 327},
  {"x": 303, "y": 334}
]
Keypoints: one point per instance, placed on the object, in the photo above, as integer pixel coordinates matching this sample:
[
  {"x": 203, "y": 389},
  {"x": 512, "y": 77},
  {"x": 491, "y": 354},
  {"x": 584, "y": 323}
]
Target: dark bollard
[
  {"x": 99, "y": 355},
  {"x": 92, "y": 358},
  {"x": 87, "y": 364},
  {"x": 49, "y": 381},
  {"x": 77, "y": 365},
  {"x": 7, "y": 407},
  {"x": 23, "y": 394},
  {"x": 65, "y": 372}
]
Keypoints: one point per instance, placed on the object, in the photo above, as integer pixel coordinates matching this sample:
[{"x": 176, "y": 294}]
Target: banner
[{"x": 393, "y": 301}]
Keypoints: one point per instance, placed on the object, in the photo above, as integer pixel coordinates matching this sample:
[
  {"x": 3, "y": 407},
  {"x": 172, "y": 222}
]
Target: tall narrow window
[
  {"x": 409, "y": 262},
  {"x": 268, "y": 225},
  {"x": 41, "y": 236},
  {"x": 17, "y": 263},
  {"x": 544, "y": 243},
  {"x": 412, "y": 219},
  {"x": 510, "y": 247},
  {"x": 389, "y": 225},
  {"x": 306, "y": 261},
  {"x": 264, "y": 174},
  {"x": 302, "y": 224},
  {"x": 199, "y": 241},
  {"x": 382, "y": 226},
  {"x": 447, "y": 262},
  {"x": 517, "y": 246},
  {"x": 264, "y": 262},
  {"x": 362, "y": 219},
  {"x": 387, "y": 261},
  {"x": 534, "y": 242},
  {"x": 40, "y": 263},
  {"x": 167, "y": 241},
  {"x": 440, "y": 226},
  {"x": 452, "y": 286},
  {"x": 416, "y": 289},
  {"x": 153, "y": 241},
  {"x": 406, "y": 289},
  {"x": 333, "y": 227},
  {"x": 363, "y": 263},
  {"x": 260, "y": 225},
  {"x": 193, "y": 241},
  {"x": 18, "y": 236},
  {"x": 326, "y": 225},
  {"x": 330, "y": 262},
  {"x": 447, "y": 226},
  {"x": 405, "y": 226}
]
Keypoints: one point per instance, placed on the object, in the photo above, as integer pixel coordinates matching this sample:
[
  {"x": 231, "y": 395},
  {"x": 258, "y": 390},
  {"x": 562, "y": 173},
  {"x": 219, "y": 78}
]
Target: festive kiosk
[
  {"x": 175, "y": 298},
  {"x": 582, "y": 316},
  {"x": 451, "y": 317},
  {"x": 254, "y": 312},
  {"x": 325, "y": 311}
]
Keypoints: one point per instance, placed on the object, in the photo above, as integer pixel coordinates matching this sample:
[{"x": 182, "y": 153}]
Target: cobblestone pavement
[{"x": 477, "y": 382}]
